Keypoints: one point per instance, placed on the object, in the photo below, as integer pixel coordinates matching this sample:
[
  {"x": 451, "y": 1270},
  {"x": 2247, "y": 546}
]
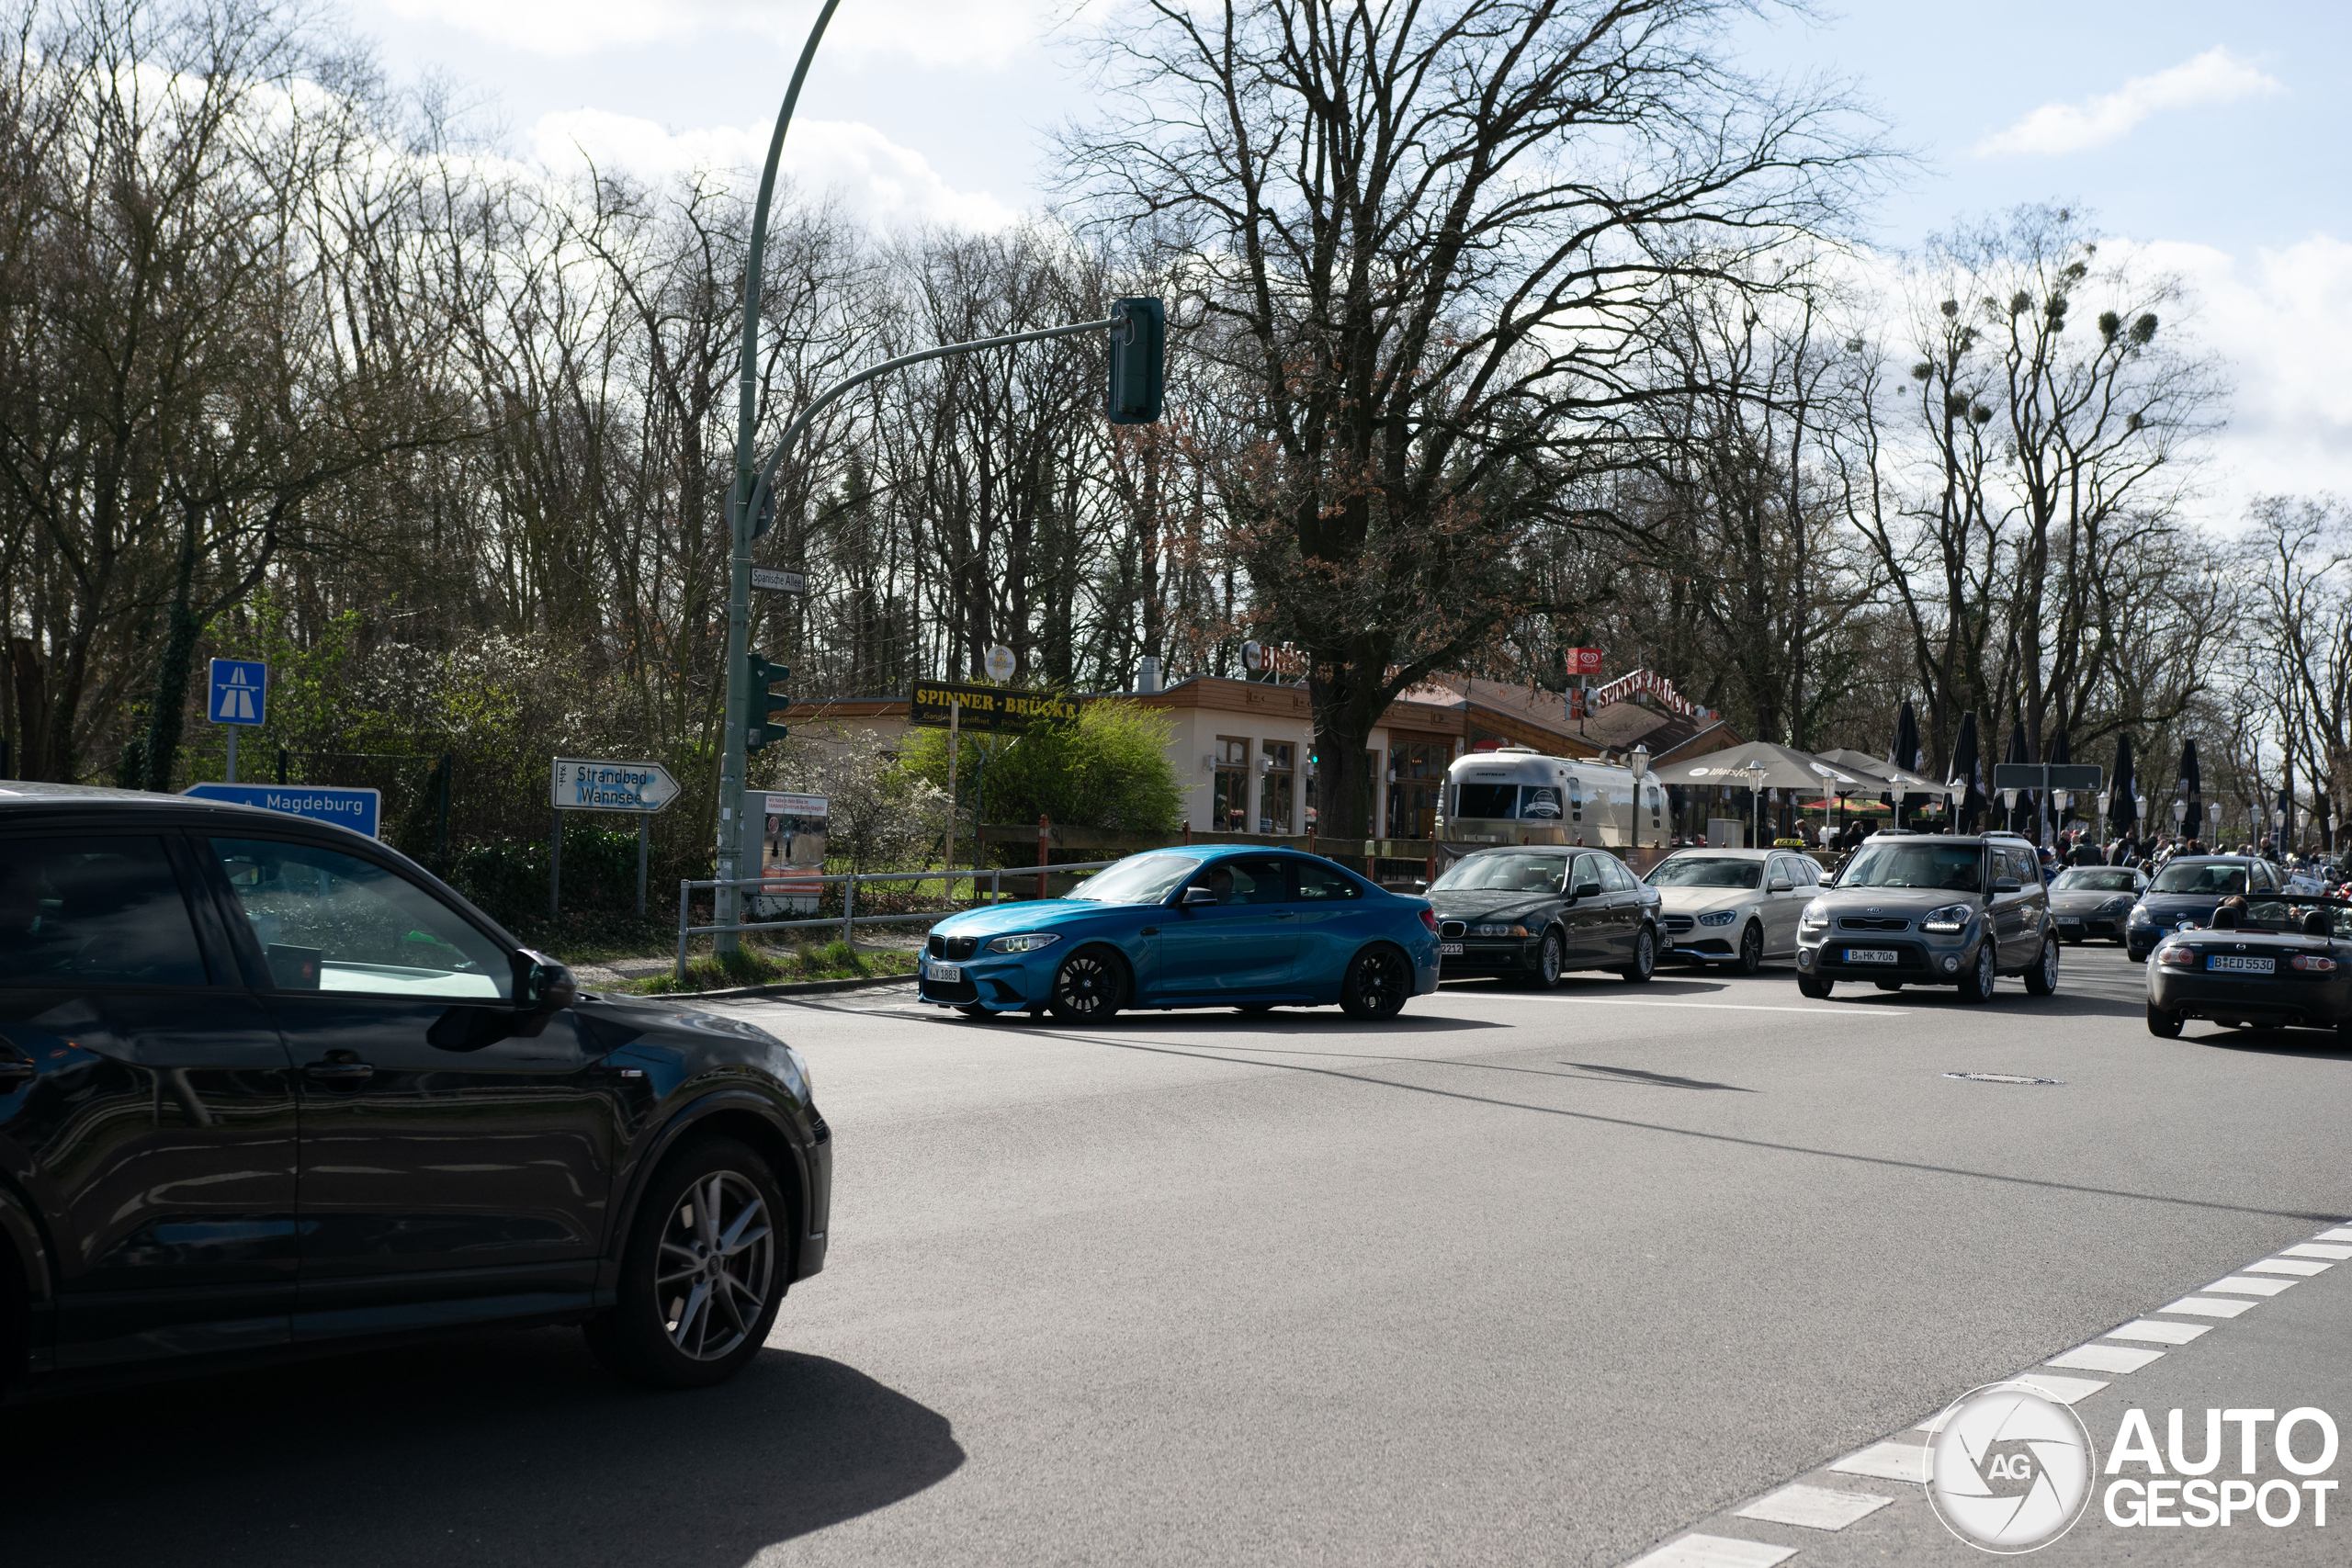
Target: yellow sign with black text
[{"x": 988, "y": 707}]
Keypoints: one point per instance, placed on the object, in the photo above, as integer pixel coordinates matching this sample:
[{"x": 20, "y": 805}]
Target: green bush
[{"x": 1109, "y": 770}]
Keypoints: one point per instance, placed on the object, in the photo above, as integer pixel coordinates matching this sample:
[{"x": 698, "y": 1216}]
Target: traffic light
[
  {"x": 765, "y": 708},
  {"x": 1139, "y": 355}
]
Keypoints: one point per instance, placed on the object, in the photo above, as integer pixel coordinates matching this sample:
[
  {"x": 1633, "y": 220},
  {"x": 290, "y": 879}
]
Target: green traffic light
[{"x": 758, "y": 726}]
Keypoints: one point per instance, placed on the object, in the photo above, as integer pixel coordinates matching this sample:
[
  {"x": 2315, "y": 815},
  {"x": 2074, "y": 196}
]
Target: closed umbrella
[
  {"x": 1905, "y": 754},
  {"x": 2060, "y": 754},
  {"x": 2020, "y": 751},
  {"x": 2123, "y": 810},
  {"x": 1968, "y": 773},
  {"x": 2192, "y": 789}
]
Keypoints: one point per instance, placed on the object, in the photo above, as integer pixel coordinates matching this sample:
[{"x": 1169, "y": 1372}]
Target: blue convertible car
[{"x": 1201, "y": 926}]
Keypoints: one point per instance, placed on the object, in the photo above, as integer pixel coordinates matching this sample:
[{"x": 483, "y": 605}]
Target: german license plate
[
  {"x": 1449, "y": 950},
  {"x": 945, "y": 971},
  {"x": 2237, "y": 966},
  {"x": 1873, "y": 955},
  {"x": 2068, "y": 921}
]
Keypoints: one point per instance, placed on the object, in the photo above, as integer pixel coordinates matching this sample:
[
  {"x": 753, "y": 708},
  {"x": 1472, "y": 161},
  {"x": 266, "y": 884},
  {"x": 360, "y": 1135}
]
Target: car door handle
[
  {"x": 15, "y": 1075},
  {"x": 345, "y": 1072},
  {"x": 1285, "y": 914}
]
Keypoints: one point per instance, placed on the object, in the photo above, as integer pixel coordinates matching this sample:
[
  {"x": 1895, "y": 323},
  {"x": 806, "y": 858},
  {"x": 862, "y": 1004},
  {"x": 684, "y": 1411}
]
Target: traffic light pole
[{"x": 741, "y": 516}]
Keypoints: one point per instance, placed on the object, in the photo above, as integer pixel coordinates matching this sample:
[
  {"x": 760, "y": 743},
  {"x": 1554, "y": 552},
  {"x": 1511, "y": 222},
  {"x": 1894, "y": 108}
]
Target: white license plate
[
  {"x": 2068, "y": 921},
  {"x": 946, "y": 971},
  {"x": 1449, "y": 950},
  {"x": 1873, "y": 955},
  {"x": 2240, "y": 965}
]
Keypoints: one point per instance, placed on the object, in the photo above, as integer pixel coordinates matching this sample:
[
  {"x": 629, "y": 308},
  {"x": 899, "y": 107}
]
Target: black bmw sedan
[
  {"x": 1531, "y": 912},
  {"x": 268, "y": 1086}
]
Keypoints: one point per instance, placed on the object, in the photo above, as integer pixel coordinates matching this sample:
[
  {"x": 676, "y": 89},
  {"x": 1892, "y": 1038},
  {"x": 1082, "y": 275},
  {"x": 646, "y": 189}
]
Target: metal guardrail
[{"x": 850, "y": 920}]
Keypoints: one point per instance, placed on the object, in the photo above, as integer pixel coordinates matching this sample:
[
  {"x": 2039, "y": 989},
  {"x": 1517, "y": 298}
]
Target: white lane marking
[
  {"x": 2105, "y": 1358},
  {"x": 1887, "y": 1461},
  {"x": 2339, "y": 1233},
  {"x": 2209, "y": 1306},
  {"x": 2244, "y": 1285},
  {"x": 2159, "y": 1333},
  {"x": 2314, "y": 1249},
  {"x": 2065, "y": 1391},
  {"x": 1814, "y": 1508},
  {"x": 2286, "y": 1266},
  {"x": 1748, "y": 1007},
  {"x": 1714, "y": 1552}
]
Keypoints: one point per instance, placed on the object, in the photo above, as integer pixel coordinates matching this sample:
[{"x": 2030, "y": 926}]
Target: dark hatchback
[
  {"x": 268, "y": 1086},
  {"x": 1533, "y": 913},
  {"x": 2190, "y": 889},
  {"x": 2282, "y": 961}
]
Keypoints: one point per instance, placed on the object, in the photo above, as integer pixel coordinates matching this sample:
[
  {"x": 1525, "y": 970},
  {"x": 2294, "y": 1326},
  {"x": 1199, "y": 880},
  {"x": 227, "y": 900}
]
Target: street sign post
[
  {"x": 240, "y": 699},
  {"x": 2073, "y": 777},
  {"x": 361, "y": 810},
  {"x": 777, "y": 581},
  {"x": 582, "y": 784}
]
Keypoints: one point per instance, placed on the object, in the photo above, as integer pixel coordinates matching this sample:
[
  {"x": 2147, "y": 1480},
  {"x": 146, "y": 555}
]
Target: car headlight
[
  {"x": 2113, "y": 907},
  {"x": 2140, "y": 916},
  {"x": 1027, "y": 941},
  {"x": 1498, "y": 927},
  {"x": 1815, "y": 916},
  {"x": 1949, "y": 917},
  {"x": 1720, "y": 917}
]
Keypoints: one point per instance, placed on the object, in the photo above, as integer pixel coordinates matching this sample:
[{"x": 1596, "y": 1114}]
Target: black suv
[
  {"x": 267, "y": 1087},
  {"x": 1931, "y": 909}
]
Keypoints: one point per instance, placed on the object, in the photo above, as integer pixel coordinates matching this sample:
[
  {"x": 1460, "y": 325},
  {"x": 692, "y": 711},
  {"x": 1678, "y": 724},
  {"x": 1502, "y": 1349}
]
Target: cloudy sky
[{"x": 2213, "y": 136}]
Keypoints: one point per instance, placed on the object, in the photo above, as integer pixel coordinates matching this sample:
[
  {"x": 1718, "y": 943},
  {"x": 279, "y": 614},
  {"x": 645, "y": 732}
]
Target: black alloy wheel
[
  {"x": 1751, "y": 948},
  {"x": 1644, "y": 963},
  {"x": 1378, "y": 980},
  {"x": 1551, "y": 958},
  {"x": 1814, "y": 985},
  {"x": 1090, "y": 986},
  {"x": 1976, "y": 986},
  {"x": 701, "y": 1273},
  {"x": 2162, "y": 1024},
  {"x": 2041, "y": 980}
]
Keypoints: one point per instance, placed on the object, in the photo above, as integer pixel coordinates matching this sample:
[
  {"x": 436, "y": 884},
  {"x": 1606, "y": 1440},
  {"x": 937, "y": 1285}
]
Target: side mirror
[
  {"x": 1782, "y": 884},
  {"x": 543, "y": 988},
  {"x": 1586, "y": 890},
  {"x": 1195, "y": 897},
  {"x": 2005, "y": 885},
  {"x": 1420, "y": 885}
]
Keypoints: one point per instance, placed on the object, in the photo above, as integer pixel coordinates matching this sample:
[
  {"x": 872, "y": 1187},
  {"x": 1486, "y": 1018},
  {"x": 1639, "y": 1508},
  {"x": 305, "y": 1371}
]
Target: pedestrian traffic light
[
  {"x": 1138, "y": 352},
  {"x": 765, "y": 708}
]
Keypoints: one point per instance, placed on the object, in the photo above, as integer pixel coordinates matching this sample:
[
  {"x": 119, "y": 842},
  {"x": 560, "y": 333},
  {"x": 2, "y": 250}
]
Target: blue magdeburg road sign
[
  {"x": 357, "y": 809},
  {"x": 240, "y": 691}
]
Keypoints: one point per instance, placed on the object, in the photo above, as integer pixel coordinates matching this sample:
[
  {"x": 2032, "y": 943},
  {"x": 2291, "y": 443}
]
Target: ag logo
[{"x": 2009, "y": 1468}]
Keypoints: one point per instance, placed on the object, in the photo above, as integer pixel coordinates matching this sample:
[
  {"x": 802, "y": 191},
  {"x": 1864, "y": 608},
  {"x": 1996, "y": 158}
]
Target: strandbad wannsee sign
[{"x": 986, "y": 707}]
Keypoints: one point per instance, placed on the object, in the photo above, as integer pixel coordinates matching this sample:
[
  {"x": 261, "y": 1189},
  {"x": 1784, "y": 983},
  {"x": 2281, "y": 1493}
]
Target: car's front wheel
[
  {"x": 1377, "y": 982},
  {"x": 1751, "y": 949},
  {"x": 1089, "y": 986},
  {"x": 1551, "y": 958},
  {"x": 701, "y": 1273},
  {"x": 1644, "y": 963},
  {"x": 1814, "y": 985},
  {"x": 2162, "y": 1024},
  {"x": 2041, "y": 980},
  {"x": 1976, "y": 986}
]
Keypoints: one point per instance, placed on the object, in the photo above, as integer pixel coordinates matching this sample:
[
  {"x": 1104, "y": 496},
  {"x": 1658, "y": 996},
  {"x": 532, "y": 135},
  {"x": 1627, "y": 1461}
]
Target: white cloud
[
  {"x": 2216, "y": 76},
  {"x": 874, "y": 177},
  {"x": 982, "y": 34},
  {"x": 2282, "y": 325}
]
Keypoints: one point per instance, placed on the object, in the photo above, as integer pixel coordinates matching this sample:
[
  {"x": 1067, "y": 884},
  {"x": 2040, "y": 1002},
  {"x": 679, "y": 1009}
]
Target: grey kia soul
[{"x": 1931, "y": 909}]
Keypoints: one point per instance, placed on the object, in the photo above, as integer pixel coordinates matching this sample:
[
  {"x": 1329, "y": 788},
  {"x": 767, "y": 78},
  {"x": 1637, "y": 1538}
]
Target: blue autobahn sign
[
  {"x": 240, "y": 691},
  {"x": 361, "y": 810}
]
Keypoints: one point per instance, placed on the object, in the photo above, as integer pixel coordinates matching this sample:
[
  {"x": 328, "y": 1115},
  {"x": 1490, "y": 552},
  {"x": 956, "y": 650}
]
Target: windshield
[
  {"x": 1523, "y": 873},
  {"x": 1951, "y": 867},
  {"x": 1504, "y": 803},
  {"x": 1707, "y": 871},
  {"x": 2216, "y": 877},
  {"x": 2092, "y": 879},
  {"x": 1145, "y": 879}
]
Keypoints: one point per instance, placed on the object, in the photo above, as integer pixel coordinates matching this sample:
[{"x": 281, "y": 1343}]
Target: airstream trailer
[{"x": 1518, "y": 795}]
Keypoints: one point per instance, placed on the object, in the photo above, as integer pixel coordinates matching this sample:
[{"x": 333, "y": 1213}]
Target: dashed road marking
[
  {"x": 2209, "y": 1306},
  {"x": 1887, "y": 1461},
  {"x": 2096, "y": 1358},
  {"x": 2246, "y": 1285},
  {"x": 1814, "y": 1508},
  {"x": 1744, "y": 1007},
  {"x": 1714, "y": 1552},
  {"x": 2316, "y": 1249},
  {"x": 2160, "y": 1333},
  {"x": 2287, "y": 1266}
]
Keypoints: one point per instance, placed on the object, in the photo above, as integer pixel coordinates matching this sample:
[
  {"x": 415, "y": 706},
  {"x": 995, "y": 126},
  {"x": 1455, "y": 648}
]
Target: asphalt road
[{"x": 1517, "y": 1278}]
